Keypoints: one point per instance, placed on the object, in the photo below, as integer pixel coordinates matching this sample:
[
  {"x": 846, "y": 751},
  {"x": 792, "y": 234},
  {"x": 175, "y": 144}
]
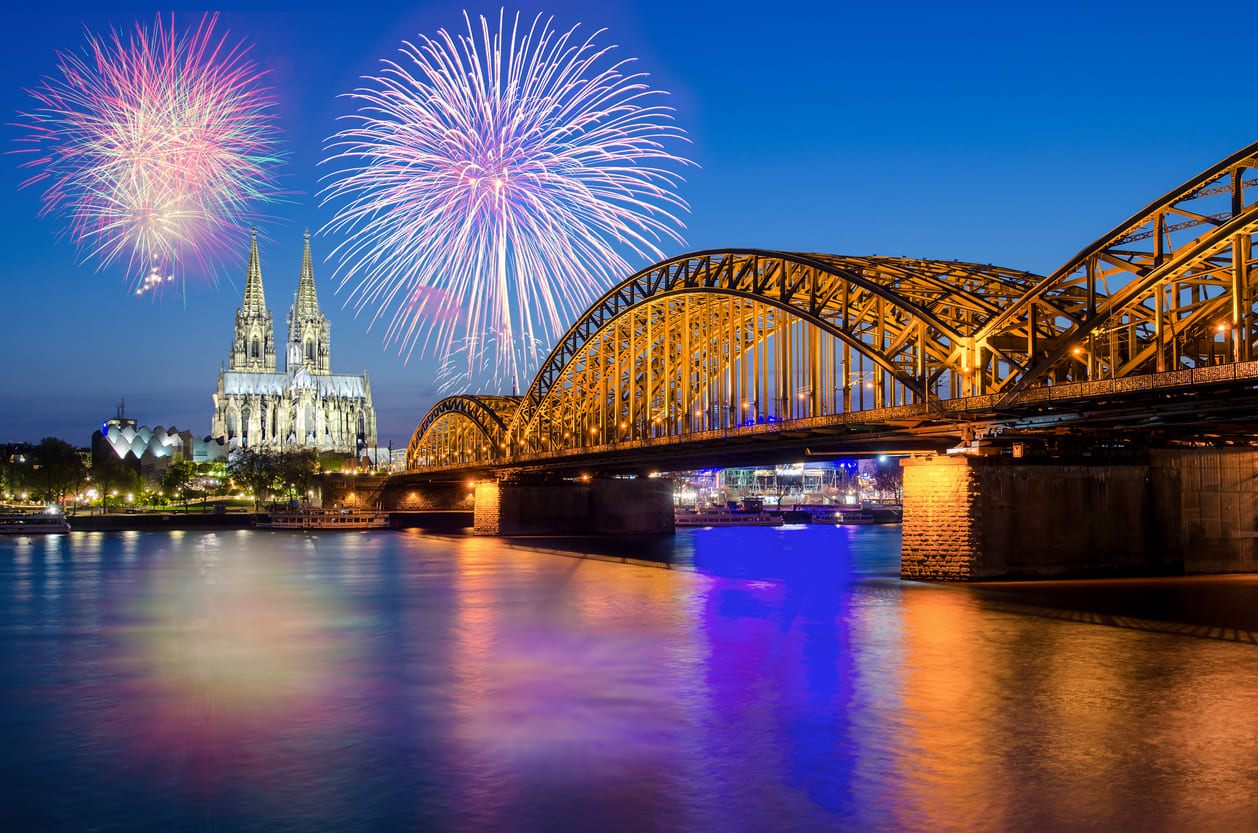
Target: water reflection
[{"x": 770, "y": 680}]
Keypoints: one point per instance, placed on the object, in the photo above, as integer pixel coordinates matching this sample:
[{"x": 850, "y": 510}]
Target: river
[{"x": 722, "y": 680}]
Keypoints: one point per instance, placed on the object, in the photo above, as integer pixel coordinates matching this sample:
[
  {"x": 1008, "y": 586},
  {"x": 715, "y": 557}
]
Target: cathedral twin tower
[{"x": 306, "y": 405}]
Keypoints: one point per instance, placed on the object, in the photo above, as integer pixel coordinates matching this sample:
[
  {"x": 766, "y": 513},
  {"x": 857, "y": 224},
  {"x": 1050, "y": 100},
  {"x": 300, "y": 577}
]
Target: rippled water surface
[{"x": 770, "y": 680}]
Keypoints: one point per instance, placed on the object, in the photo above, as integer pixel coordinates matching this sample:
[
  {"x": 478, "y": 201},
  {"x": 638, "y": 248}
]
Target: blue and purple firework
[{"x": 492, "y": 186}]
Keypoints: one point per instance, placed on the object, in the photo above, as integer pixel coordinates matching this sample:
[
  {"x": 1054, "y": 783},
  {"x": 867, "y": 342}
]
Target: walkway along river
[{"x": 769, "y": 679}]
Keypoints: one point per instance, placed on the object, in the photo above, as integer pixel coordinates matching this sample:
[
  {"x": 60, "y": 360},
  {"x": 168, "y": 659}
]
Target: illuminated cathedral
[{"x": 306, "y": 405}]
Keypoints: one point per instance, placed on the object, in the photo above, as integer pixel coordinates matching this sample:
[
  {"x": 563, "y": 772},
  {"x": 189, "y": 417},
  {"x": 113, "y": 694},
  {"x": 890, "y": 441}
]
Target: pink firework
[
  {"x": 152, "y": 149},
  {"x": 512, "y": 169}
]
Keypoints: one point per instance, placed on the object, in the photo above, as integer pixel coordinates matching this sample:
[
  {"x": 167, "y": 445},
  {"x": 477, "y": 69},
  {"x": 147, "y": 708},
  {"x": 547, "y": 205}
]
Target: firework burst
[
  {"x": 490, "y": 184},
  {"x": 152, "y": 148},
  {"x": 470, "y": 362}
]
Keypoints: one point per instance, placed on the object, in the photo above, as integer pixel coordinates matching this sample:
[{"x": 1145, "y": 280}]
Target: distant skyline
[{"x": 989, "y": 132}]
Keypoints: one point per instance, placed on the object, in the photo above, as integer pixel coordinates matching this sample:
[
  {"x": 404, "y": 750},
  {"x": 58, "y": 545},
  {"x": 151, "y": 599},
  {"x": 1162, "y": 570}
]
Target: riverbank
[
  {"x": 169, "y": 521},
  {"x": 163, "y": 521}
]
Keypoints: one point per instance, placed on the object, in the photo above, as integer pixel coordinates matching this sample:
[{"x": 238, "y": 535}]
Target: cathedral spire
[
  {"x": 309, "y": 340},
  {"x": 253, "y": 348},
  {"x": 307, "y": 303},
  {"x": 255, "y": 298}
]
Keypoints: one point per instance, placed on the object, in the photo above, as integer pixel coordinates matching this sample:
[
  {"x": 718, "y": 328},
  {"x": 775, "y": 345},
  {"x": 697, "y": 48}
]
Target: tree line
[
  {"x": 289, "y": 473},
  {"x": 54, "y": 469}
]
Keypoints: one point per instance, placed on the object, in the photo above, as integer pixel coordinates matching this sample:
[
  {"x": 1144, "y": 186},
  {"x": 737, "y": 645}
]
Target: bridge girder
[
  {"x": 1168, "y": 288},
  {"x": 714, "y": 339},
  {"x": 462, "y": 429},
  {"x": 696, "y": 339}
]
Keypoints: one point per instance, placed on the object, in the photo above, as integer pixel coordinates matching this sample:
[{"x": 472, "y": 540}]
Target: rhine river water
[{"x": 765, "y": 680}]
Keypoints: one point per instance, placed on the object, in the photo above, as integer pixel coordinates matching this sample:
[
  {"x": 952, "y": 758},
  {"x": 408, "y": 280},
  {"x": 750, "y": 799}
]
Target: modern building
[
  {"x": 150, "y": 450},
  {"x": 305, "y": 405}
]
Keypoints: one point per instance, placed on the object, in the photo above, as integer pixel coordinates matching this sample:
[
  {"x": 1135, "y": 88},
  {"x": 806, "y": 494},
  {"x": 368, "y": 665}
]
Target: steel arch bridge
[{"x": 715, "y": 341}]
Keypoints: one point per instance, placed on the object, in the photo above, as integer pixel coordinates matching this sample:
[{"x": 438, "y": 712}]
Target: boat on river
[
  {"x": 723, "y": 516},
  {"x": 33, "y": 523},
  {"x": 855, "y": 516},
  {"x": 311, "y": 518}
]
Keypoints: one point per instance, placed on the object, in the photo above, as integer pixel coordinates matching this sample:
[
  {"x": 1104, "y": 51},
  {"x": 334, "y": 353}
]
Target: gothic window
[
  {"x": 244, "y": 423},
  {"x": 255, "y": 350},
  {"x": 233, "y": 424},
  {"x": 310, "y": 354}
]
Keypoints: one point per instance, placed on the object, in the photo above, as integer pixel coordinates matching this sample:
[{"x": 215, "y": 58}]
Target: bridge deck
[{"x": 1186, "y": 403}]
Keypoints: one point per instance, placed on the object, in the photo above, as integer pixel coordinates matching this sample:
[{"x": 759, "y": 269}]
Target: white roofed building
[{"x": 306, "y": 405}]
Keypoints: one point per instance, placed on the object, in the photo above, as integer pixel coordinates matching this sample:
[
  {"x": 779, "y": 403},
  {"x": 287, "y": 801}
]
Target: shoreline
[{"x": 172, "y": 521}]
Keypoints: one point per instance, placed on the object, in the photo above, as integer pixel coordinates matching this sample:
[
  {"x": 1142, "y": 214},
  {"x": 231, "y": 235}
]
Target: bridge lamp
[
  {"x": 1222, "y": 327},
  {"x": 622, "y": 425}
]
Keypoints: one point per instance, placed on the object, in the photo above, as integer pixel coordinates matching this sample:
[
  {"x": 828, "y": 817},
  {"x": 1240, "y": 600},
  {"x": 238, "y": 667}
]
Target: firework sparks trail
[
  {"x": 508, "y": 169},
  {"x": 152, "y": 148},
  {"x": 471, "y": 361}
]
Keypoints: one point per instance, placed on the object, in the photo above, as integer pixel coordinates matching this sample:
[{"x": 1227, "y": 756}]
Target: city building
[
  {"x": 150, "y": 450},
  {"x": 305, "y": 405}
]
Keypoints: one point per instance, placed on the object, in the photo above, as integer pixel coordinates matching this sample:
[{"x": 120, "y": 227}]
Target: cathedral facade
[{"x": 306, "y": 405}]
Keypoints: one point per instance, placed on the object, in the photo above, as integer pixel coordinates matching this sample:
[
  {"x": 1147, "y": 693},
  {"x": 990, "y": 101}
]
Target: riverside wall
[{"x": 1175, "y": 512}]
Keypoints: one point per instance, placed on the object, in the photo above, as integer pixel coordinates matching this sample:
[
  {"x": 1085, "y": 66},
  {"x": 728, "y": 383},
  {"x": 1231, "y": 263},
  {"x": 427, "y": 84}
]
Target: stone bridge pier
[
  {"x": 394, "y": 493},
  {"x": 1171, "y": 512},
  {"x": 599, "y": 506}
]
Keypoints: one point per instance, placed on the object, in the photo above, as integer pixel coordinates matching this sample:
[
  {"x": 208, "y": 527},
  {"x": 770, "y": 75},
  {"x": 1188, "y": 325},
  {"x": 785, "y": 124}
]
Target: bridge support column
[
  {"x": 973, "y": 518},
  {"x": 594, "y": 507}
]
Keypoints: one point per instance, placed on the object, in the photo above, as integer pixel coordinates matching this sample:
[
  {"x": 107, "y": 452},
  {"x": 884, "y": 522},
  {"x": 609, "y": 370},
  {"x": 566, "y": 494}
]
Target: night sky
[{"x": 1007, "y": 133}]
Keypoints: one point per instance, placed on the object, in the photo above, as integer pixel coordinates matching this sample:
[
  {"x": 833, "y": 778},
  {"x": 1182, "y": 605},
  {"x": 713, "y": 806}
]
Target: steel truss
[
  {"x": 727, "y": 338},
  {"x": 1170, "y": 288},
  {"x": 462, "y": 430}
]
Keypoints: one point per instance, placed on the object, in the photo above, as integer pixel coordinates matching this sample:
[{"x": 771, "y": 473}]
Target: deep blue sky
[{"x": 997, "y": 132}]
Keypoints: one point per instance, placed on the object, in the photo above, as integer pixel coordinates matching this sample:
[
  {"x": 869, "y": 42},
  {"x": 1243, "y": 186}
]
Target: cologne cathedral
[{"x": 306, "y": 405}]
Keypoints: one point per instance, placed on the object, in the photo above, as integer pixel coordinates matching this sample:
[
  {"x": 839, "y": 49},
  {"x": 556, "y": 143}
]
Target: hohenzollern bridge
[{"x": 1137, "y": 351}]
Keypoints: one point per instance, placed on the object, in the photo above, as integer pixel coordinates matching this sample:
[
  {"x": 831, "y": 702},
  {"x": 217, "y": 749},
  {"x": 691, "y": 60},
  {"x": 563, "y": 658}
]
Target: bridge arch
[
  {"x": 1168, "y": 288},
  {"x": 691, "y": 343},
  {"x": 685, "y": 345},
  {"x": 459, "y": 430}
]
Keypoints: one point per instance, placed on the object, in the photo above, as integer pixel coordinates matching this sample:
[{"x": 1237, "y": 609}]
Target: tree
[
  {"x": 112, "y": 474},
  {"x": 297, "y": 469},
  {"x": 331, "y": 461},
  {"x": 213, "y": 479},
  {"x": 256, "y": 468},
  {"x": 889, "y": 477},
  {"x": 52, "y": 468},
  {"x": 10, "y": 472},
  {"x": 178, "y": 478}
]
